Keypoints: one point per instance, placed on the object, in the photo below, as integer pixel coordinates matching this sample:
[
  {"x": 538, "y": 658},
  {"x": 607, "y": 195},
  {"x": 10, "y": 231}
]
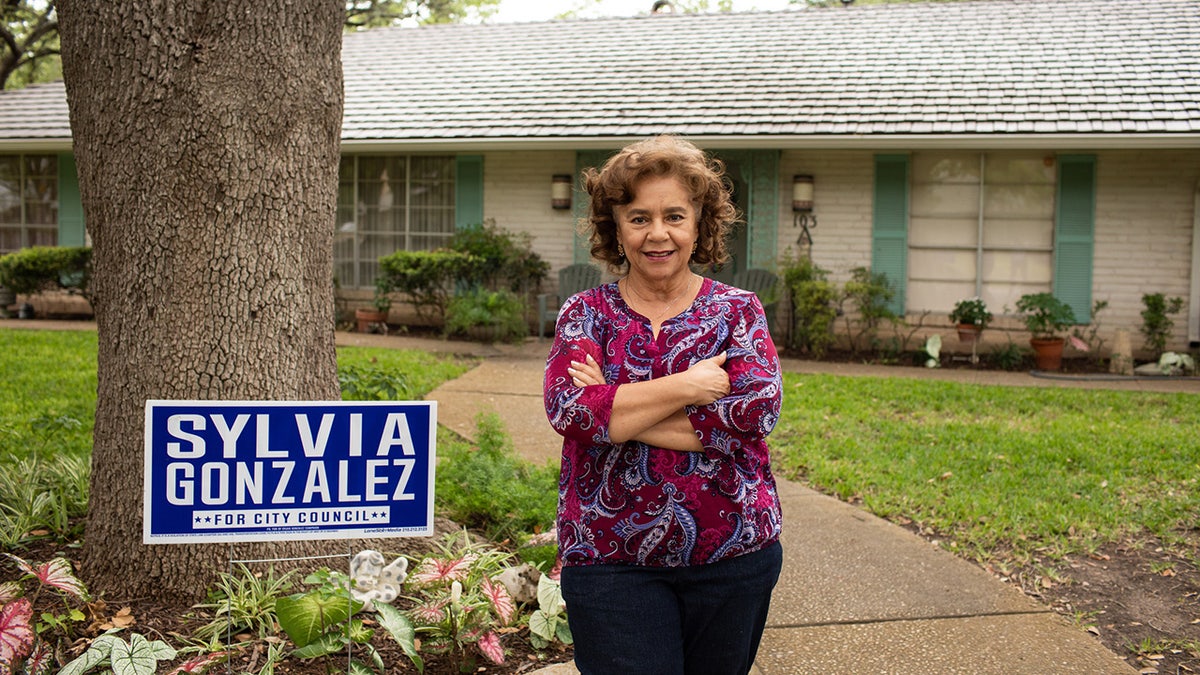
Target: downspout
[
  {"x": 979, "y": 227},
  {"x": 1194, "y": 299}
]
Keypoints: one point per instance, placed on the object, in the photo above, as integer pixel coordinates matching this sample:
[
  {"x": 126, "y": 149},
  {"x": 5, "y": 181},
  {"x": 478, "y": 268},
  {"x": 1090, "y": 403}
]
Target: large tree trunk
[{"x": 206, "y": 137}]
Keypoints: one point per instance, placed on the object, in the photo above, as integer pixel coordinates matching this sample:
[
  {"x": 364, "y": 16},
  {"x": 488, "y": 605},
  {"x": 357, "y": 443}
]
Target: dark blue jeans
[{"x": 704, "y": 619}]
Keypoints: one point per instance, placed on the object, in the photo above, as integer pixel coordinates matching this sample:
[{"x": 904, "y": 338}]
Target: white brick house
[{"x": 991, "y": 147}]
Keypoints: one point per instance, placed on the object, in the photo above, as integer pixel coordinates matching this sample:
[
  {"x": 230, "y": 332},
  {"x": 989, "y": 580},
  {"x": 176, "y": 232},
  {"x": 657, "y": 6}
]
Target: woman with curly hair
[{"x": 664, "y": 385}]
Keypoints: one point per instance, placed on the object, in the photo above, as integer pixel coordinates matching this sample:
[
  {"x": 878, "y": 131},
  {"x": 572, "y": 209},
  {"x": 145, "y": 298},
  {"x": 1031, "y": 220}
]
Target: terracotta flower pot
[
  {"x": 968, "y": 332},
  {"x": 1047, "y": 353},
  {"x": 367, "y": 317}
]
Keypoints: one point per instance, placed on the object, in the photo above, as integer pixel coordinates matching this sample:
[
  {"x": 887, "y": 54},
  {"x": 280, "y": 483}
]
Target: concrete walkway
[{"x": 857, "y": 594}]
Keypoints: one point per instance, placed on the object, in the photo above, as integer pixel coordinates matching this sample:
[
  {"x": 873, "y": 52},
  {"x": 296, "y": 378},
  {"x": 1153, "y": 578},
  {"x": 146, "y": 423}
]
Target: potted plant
[
  {"x": 487, "y": 316},
  {"x": 376, "y": 315},
  {"x": 970, "y": 316},
  {"x": 1046, "y": 317}
]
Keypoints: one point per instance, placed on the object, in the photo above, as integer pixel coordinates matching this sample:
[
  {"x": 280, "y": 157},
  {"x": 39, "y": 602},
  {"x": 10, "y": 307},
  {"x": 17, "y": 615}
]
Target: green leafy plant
[
  {"x": 813, "y": 303},
  {"x": 1172, "y": 363},
  {"x": 322, "y": 621},
  {"x": 426, "y": 279},
  {"x": 501, "y": 312},
  {"x": 933, "y": 351},
  {"x": 1045, "y": 316},
  {"x": 489, "y": 488},
  {"x": 501, "y": 259},
  {"x": 971, "y": 311},
  {"x": 381, "y": 300},
  {"x": 401, "y": 629},
  {"x": 479, "y": 256},
  {"x": 139, "y": 656},
  {"x": 372, "y": 382},
  {"x": 43, "y": 268},
  {"x": 244, "y": 601},
  {"x": 326, "y": 620},
  {"x": 870, "y": 293},
  {"x": 1008, "y": 356},
  {"x": 1156, "y": 320},
  {"x": 549, "y": 622},
  {"x": 40, "y": 497}
]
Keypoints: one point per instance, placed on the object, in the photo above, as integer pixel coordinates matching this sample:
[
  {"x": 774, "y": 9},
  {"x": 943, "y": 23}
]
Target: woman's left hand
[{"x": 586, "y": 373}]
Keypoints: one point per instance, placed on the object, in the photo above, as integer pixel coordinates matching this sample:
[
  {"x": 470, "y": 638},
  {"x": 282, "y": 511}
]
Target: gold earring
[{"x": 620, "y": 251}]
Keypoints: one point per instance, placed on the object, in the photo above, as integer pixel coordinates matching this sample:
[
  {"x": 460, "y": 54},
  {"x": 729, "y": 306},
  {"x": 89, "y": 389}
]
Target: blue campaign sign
[{"x": 225, "y": 471}]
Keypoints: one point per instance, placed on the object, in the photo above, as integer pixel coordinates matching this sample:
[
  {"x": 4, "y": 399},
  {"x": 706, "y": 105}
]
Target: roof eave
[
  {"x": 1143, "y": 141},
  {"x": 799, "y": 142},
  {"x": 35, "y": 145}
]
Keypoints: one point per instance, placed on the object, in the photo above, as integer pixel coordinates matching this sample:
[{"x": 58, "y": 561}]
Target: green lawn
[
  {"x": 999, "y": 470},
  {"x": 49, "y": 395}
]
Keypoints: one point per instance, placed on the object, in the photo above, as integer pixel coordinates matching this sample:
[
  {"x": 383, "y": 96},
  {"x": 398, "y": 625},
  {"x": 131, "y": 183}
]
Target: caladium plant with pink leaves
[
  {"x": 21, "y": 647},
  {"x": 17, "y": 636},
  {"x": 459, "y": 607}
]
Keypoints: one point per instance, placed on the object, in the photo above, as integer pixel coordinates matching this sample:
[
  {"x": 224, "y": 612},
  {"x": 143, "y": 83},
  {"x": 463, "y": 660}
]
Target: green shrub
[
  {"x": 500, "y": 259},
  {"x": 1009, "y": 356},
  {"x": 499, "y": 314},
  {"x": 47, "y": 268},
  {"x": 487, "y": 487},
  {"x": 1156, "y": 320},
  {"x": 426, "y": 278},
  {"x": 479, "y": 256},
  {"x": 871, "y": 294},
  {"x": 812, "y": 300}
]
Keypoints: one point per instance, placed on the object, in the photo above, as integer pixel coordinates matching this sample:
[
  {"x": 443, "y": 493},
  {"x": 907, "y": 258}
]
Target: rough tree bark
[{"x": 206, "y": 136}]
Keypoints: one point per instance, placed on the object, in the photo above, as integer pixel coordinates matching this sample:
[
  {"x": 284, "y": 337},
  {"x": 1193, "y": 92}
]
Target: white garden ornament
[{"x": 373, "y": 581}]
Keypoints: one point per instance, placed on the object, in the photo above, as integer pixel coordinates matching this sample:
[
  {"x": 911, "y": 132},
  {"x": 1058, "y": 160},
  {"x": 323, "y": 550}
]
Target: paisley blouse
[{"x": 631, "y": 503}]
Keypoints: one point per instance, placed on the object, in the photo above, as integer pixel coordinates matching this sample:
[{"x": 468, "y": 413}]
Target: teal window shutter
[
  {"x": 763, "y": 219},
  {"x": 889, "y": 231},
  {"x": 579, "y": 199},
  {"x": 71, "y": 231},
  {"x": 468, "y": 191},
  {"x": 1074, "y": 233}
]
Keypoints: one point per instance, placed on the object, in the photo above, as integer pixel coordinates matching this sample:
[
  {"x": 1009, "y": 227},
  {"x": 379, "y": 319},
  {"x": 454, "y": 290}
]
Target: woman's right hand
[{"x": 709, "y": 379}]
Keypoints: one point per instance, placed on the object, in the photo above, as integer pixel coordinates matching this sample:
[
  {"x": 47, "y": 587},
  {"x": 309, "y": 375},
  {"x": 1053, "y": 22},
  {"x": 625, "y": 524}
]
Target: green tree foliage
[
  {"x": 363, "y": 14},
  {"x": 29, "y": 30},
  {"x": 29, "y": 36}
]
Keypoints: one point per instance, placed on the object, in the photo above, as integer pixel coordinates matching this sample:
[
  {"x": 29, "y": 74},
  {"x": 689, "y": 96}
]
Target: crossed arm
[{"x": 653, "y": 411}]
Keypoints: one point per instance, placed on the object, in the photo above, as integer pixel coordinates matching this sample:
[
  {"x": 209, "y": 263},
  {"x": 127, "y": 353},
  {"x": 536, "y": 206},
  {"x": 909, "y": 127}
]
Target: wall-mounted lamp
[
  {"x": 802, "y": 208},
  {"x": 560, "y": 191}
]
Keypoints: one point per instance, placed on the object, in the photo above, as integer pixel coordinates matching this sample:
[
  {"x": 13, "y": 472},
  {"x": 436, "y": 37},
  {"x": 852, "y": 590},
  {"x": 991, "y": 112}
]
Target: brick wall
[
  {"x": 1145, "y": 205},
  {"x": 1144, "y": 222},
  {"x": 516, "y": 193}
]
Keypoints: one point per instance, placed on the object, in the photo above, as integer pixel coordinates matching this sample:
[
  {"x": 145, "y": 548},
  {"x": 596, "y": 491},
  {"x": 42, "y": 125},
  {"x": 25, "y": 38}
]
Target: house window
[
  {"x": 980, "y": 224},
  {"x": 388, "y": 203},
  {"x": 28, "y": 201}
]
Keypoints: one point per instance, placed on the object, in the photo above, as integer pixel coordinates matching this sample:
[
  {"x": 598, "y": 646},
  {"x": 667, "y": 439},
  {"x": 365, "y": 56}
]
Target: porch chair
[
  {"x": 571, "y": 280},
  {"x": 764, "y": 284}
]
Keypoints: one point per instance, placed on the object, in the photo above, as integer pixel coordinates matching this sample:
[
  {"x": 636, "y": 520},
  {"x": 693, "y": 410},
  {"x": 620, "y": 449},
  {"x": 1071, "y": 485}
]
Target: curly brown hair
[{"x": 702, "y": 176}]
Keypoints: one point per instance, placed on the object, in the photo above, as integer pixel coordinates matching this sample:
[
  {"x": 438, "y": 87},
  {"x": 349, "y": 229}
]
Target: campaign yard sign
[{"x": 226, "y": 471}]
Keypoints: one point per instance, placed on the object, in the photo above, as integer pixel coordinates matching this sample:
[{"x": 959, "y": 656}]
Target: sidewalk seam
[{"x": 899, "y": 619}]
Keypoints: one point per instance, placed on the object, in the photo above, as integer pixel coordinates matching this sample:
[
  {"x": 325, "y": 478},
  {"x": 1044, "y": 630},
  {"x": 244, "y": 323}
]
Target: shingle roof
[
  {"x": 972, "y": 67},
  {"x": 35, "y": 112},
  {"x": 975, "y": 68}
]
